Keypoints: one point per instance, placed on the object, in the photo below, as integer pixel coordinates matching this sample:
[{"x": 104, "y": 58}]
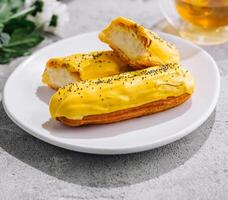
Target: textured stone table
[{"x": 195, "y": 167}]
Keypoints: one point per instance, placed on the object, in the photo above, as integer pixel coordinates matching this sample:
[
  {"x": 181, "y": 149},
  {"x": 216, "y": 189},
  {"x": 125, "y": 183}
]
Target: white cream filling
[
  {"x": 127, "y": 42},
  {"x": 60, "y": 76}
]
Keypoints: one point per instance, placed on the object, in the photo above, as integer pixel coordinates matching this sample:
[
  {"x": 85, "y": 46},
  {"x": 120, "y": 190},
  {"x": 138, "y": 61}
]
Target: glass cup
[{"x": 201, "y": 21}]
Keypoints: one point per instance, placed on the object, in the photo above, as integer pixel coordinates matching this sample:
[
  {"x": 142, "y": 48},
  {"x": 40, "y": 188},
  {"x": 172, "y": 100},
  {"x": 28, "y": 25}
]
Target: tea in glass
[{"x": 207, "y": 20}]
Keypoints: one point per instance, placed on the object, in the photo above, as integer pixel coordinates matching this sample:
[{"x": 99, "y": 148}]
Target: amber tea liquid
[{"x": 204, "y": 13}]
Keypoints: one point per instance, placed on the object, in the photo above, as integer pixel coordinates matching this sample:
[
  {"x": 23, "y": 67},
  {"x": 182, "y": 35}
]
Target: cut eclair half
[
  {"x": 138, "y": 46},
  {"x": 61, "y": 71}
]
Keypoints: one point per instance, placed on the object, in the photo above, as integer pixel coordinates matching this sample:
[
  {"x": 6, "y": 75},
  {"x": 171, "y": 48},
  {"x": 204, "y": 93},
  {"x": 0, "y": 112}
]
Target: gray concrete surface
[{"x": 195, "y": 167}]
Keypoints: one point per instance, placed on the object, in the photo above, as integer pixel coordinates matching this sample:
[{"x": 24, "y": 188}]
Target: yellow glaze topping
[
  {"x": 118, "y": 92},
  {"x": 91, "y": 65}
]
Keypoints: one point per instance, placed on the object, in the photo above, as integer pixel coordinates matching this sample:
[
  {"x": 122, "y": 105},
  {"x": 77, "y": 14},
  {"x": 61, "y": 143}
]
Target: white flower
[
  {"x": 62, "y": 18},
  {"x": 52, "y": 18},
  {"x": 28, "y": 3}
]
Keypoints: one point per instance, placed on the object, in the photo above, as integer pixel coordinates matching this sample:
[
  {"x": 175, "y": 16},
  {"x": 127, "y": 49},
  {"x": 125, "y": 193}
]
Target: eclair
[
  {"x": 138, "y": 46},
  {"x": 61, "y": 71},
  {"x": 121, "y": 97}
]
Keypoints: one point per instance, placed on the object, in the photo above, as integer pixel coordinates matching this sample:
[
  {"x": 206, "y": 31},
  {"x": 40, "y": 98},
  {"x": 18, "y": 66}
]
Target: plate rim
[{"x": 121, "y": 150}]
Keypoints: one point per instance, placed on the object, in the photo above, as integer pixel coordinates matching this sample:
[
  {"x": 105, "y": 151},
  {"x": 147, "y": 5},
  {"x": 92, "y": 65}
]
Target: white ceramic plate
[{"x": 26, "y": 102}]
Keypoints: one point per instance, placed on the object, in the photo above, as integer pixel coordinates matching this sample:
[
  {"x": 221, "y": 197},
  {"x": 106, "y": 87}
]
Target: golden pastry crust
[
  {"x": 129, "y": 113},
  {"x": 138, "y": 46}
]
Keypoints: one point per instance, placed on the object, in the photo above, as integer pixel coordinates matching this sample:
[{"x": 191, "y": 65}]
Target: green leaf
[
  {"x": 38, "y": 5},
  {"x": 4, "y": 57},
  {"x": 19, "y": 45},
  {"x": 54, "y": 21},
  {"x": 7, "y": 54},
  {"x": 15, "y": 52},
  {"x": 5, "y": 10},
  {"x": 21, "y": 39},
  {"x": 19, "y": 23},
  {"x": 17, "y": 34},
  {"x": 23, "y": 13},
  {"x": 1, "y": 27},
  {"x": 12, "y": 9},
  {"x": 4, "y": 39}
]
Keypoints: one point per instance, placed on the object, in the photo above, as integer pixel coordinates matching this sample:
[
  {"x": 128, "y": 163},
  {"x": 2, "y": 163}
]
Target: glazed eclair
[
  {"x": 61, "y": 71},
  {"x": 138, "y": 46},
  {"x": 124, "y": 96}
]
